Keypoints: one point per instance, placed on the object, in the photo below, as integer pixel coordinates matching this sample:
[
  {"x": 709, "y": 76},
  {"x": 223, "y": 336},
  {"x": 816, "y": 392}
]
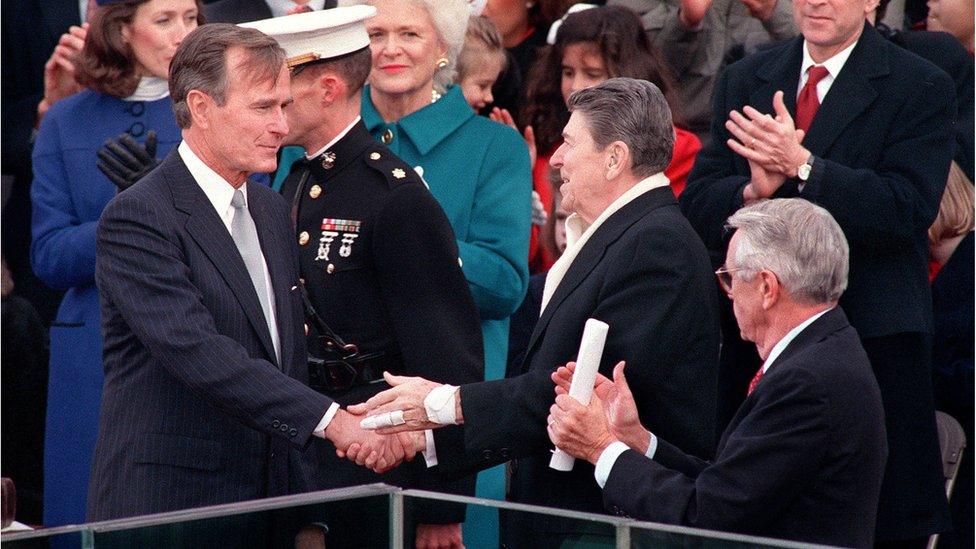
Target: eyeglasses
[{"x": 724, "y": 276}]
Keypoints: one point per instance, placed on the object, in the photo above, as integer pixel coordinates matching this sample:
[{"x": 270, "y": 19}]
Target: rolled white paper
[{"x": 587, "y": 366}]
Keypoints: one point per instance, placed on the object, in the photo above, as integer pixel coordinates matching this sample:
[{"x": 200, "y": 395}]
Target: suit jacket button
[
  {"x": 275, "y": 424},
  {"x": 487, "y": 455},
  {"x": 284, "y": 427},
  {"x": 314, "y": 192},
  {"x": 504, "y": 454},
  {"x": 293, "y": 432},
  {"x": 303, "y": 238}
]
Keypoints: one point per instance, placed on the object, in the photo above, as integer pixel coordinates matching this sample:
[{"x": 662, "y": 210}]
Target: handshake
[{"x": 388, "y": 429}]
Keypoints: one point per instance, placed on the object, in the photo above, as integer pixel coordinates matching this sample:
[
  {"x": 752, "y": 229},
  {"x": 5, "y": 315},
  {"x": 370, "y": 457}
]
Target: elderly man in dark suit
[
  {"x": 633, "y": 262},
  {"x": 852, "y": 122},
  {"x": 804, "y": 455},
  {"x": 205, "y": 400}
]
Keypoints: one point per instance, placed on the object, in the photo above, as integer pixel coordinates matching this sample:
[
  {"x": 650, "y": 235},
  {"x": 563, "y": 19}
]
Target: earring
[{"x": 442, "y": 63}]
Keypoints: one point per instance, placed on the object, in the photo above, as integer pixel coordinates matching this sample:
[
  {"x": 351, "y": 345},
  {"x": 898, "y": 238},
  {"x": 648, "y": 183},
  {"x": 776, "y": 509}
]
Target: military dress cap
[{"x": 318, "y": 35}]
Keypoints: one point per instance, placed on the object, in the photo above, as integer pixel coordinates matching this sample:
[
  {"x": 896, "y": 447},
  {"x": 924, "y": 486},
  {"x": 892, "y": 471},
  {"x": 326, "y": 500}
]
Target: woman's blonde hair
[{"x": 955, "y": 216}]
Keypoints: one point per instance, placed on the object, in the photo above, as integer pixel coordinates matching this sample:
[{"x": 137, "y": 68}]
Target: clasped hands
[
  {"x": 771, "y": 145},
  {"x": 384, "y": 448}
]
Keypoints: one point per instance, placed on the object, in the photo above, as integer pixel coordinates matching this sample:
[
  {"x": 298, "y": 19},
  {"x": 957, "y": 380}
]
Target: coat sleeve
[
  {"x": 143, "y": 274},
  {"x": 63, "y": 244},
  {"x": 495, "y": 250},
  {"x": 767, "y": 460},
  {"x": 897, "y": 199}
]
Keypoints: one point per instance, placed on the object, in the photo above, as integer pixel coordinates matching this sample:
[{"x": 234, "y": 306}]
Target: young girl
[
  {"x": 482, "y": 59},
  {"x": 592, "y": 46}
]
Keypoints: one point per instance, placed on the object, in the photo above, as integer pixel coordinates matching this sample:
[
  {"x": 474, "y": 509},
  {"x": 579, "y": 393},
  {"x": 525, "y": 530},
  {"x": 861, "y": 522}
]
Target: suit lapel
[
  {"x": 782, "y": 72},
  {"x": 281, "y": 283},
  {"x": 209, "y": 232},
  {"x": 594, "y": 250},
  {"x": 850, "y": 94}
]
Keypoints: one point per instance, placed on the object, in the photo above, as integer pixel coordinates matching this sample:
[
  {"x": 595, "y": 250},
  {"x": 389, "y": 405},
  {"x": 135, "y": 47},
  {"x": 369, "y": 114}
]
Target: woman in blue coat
[
  {"x": 478, "y": 170},
  {"x": 124, "y": 67}
]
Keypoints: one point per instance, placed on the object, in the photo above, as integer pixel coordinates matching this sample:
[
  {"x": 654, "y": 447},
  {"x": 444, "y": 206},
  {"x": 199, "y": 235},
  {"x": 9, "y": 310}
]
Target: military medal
[{"x": 332, "y": 228}]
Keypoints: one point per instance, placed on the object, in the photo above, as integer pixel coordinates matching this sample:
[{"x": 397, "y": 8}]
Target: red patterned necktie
[
  {"x": 807, "y": 103},
  {"x": 302, "y": 8},
  {"x": 755, "y": 380}
]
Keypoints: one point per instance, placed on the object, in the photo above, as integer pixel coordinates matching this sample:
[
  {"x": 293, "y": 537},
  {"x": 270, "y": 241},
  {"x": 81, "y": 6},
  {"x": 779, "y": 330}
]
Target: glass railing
[{"x": 369, "y": 516}]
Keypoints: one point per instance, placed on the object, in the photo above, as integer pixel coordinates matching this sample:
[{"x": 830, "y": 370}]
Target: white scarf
[
  {"x": 577, "y": 233},
  {"x": 150, "y": 88}
]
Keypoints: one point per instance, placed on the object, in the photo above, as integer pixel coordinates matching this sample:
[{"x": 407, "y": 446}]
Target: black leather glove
[{"x": 124, "y": 161}]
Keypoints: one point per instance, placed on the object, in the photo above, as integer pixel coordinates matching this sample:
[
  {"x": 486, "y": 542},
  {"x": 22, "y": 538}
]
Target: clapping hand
[
  {"x": 771, "y": 144},
  {"x": 618, "y": 405},
  {"x": 124, "y": 161}
]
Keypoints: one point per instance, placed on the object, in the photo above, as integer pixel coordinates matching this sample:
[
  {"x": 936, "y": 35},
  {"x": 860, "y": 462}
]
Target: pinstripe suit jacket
[{"x": 195, "y": 408}]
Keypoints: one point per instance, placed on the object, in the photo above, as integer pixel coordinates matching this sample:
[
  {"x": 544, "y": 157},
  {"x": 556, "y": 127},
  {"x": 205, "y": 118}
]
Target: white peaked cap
[{"x": 318, "y": 35}]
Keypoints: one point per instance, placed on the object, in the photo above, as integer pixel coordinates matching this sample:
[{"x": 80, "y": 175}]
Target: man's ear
[
  {"x": 618, "y": 160},
  {"x": 333, "y": 87},
  {"x": 201, "y": 107},
  {"x": 770, "y": 288}
]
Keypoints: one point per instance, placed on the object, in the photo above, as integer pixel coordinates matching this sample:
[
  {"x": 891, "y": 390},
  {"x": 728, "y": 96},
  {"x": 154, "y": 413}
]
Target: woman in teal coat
[{"x": 477, "y": 169}]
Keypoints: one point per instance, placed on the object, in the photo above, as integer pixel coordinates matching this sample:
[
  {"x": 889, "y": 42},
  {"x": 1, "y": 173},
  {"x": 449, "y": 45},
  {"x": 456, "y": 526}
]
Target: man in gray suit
[{"x": 205, "y": 400}]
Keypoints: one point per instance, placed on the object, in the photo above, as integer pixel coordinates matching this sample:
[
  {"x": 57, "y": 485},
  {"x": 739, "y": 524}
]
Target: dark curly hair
[
  {"x": 107, "y": 62},
  {"x": 619, "y": 37}
]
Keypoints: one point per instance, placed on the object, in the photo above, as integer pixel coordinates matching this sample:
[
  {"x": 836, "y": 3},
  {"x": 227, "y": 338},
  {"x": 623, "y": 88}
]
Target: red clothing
[{"x": 686, "y": 147}]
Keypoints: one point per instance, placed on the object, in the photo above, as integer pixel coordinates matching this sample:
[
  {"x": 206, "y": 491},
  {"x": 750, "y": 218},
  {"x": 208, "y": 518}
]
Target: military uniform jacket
[{"x": 380, "y": 264}]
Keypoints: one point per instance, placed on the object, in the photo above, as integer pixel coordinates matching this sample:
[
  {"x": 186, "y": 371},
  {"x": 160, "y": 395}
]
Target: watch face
[{"x": 803, "y": 172}]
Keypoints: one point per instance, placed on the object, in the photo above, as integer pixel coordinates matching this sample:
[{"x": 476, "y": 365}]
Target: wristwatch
[{"x": 803, "y": 172}]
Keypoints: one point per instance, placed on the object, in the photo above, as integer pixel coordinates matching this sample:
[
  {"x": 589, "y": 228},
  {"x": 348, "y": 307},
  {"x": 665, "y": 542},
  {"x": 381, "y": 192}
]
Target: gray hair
[
  {"x": 632, "y": 111},
  {"x": 200, "y": 63},
  {"x": 799, "y": 241},
  {"x": 450, "y": 18}
]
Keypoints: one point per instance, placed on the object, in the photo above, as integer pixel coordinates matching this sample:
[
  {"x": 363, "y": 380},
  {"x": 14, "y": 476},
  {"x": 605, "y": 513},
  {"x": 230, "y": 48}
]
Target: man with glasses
[{"x": 804, "y": 455}]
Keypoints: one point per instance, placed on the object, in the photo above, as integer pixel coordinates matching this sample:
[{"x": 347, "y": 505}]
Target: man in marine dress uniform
[{"x": 377, "y": 254}]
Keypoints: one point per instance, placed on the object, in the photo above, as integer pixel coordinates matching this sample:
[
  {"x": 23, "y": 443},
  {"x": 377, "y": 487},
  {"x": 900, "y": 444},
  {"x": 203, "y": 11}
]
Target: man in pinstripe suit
[{"x": 205, "y": 399}]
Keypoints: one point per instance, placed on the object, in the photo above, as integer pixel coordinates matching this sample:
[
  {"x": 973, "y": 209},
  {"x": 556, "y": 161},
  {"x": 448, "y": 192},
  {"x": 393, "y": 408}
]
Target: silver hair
[
  {"x": 633, "y": 111},
  {"x": 799, "y": 241},
  {"x": 450, "y": 18}
]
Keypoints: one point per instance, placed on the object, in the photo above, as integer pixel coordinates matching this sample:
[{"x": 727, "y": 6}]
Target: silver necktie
[{"x": 245, "y": 235}]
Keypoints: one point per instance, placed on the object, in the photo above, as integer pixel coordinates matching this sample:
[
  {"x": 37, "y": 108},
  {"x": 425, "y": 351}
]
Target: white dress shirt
[
  {"x": 833, "y": 66},
  {"x": 220, "y": 193},
  {"x": 610, "y": 454}
]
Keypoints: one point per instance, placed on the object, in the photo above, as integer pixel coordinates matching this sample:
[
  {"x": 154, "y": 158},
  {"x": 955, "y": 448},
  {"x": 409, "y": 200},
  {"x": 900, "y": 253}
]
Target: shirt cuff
[
  {"x": 326, "y": 420},
  {"x": 606, "y": 461},
  {"x": 430, "y": 454},
  {"x": 651, "y": 446}
]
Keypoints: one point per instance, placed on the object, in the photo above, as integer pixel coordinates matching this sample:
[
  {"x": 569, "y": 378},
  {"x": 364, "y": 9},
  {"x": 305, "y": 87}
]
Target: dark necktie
[{"x": 807, "y": 102}]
